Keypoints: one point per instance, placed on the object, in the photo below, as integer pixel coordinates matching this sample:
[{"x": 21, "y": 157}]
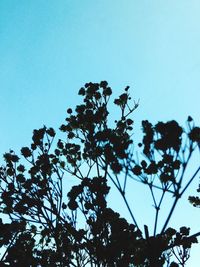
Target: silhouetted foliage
[{"x": 48, "y": 224}]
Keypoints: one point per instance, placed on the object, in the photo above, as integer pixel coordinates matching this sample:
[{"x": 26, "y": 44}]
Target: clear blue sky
[{"x": 50, "y": 48}]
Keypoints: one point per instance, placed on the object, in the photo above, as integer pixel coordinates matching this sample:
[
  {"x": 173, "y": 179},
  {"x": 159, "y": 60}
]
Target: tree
[{"x": 49, "y": 225}]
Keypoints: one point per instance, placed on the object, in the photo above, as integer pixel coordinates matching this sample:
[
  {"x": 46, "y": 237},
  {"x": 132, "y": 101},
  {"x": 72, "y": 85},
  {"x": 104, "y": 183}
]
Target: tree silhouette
[{"x": 47, "y": 224}]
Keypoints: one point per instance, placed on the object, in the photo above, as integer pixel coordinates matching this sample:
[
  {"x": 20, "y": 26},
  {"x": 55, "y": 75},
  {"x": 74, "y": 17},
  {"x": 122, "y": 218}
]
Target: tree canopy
[{"x": 45, "y": 223}]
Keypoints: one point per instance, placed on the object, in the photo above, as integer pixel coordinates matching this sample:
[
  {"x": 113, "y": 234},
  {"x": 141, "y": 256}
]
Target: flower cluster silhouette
[{"x": 48, "y": 225}]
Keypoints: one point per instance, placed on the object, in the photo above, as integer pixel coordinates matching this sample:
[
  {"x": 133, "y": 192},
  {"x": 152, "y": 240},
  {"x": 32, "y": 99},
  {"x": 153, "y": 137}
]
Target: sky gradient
[{"x": 49, "y": 49}]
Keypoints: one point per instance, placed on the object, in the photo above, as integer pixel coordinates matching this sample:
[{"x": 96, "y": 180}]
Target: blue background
[{"x": 50, "y": 48}]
